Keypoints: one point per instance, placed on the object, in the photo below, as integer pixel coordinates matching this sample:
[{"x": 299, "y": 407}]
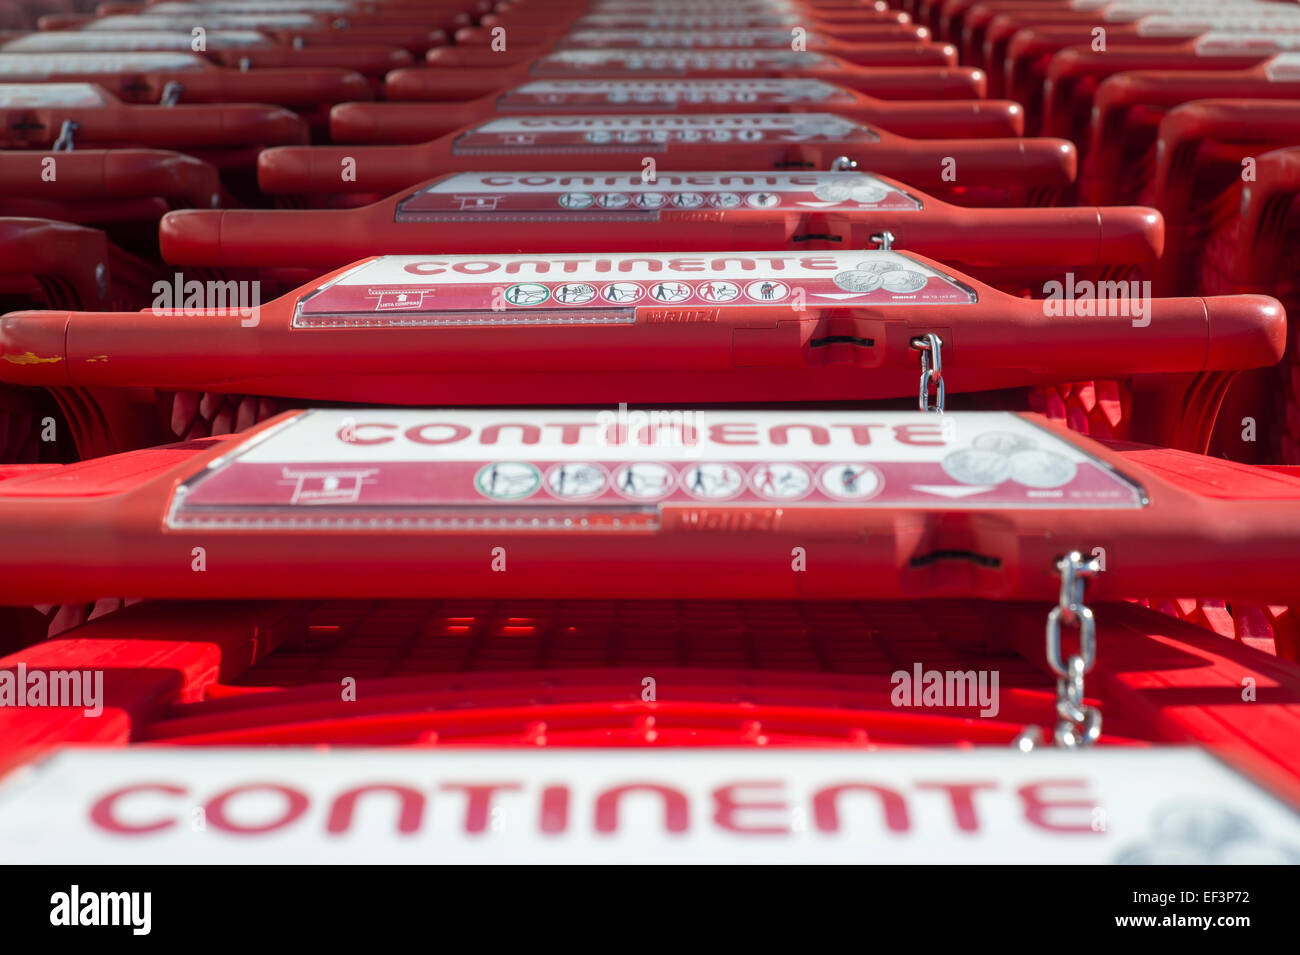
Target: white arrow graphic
[{"x": 952, "y": 490}]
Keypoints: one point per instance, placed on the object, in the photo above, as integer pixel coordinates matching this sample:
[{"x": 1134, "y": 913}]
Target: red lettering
[
  {"x": 826, "y": 813},
  {"x": 528, "y": 433},
  {"x": 355, "y": 438},
  {"x": 478, "y": 806},
  {"x": 1037, "y": 808},
  {"x": 962, "y": 796},
  {"x": 416, "y": 433},
  {"x": 104, "y": 812},
  {"x": 426, "y": 268},
  {"x": 295, "y": 804},
  {"x": 475, "y": 268},
  {"x": 728, "y": 806},
  {"x": 570, "y": 433},
  {"x": 914, "y": 433},
  {"x": 555, "y": 809},
  {"x": 676, "y": 808},
  {"x": 408, "y": 820},
  {"x": 818, "y": 434},
  {"x": 861, "y": 433},
  {"x": 736, "y": 433}
]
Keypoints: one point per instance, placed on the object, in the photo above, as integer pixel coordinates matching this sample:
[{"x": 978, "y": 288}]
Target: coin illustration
[
  {"x": 1003, "y": 442},
  {"x": 833, "y": 192},
  {"x": 869, "y": 193},
  {"x": 902, "y": 280},
  {"x": 857, "y": 280},
  {"x": 973, "y": 466},
  {"x": 1035, "y": 468}
]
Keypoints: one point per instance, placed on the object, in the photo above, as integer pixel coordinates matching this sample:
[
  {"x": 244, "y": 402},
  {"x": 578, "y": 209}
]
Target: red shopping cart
[
  {"x": 978, "y": 172},
  {"x": 642, "y": 327},
  {"x": 1018, "y": 250}
]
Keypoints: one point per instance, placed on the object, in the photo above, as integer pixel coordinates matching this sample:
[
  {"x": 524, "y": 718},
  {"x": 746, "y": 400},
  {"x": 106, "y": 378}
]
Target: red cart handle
[
  {"x": 396, "y": 123},
  {"x": 176, "y": 127},
  {"x": 93, "y": 174},
  {"x": 937, "y": 166},
  {"x": 468, "y": 338},
  {"x": 461, "y": 73},
  {"x": 1049, "y": 238},
  {"x": 67, "y": 253}
]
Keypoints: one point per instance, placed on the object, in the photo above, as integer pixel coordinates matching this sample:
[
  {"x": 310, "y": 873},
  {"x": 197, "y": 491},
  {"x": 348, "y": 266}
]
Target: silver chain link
[
  {"x": 930, "y": 346},
  {"x": 67, "y": 132},
  {"x": 1078, "y": 725},
  {"x": 171, "y": 94}
]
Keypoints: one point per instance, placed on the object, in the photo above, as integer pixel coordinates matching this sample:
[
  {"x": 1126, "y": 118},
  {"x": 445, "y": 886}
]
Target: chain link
[
  {"x": 171, "y": 94},
  {"x": 1078, "y": 725},
  {"x": 67, "y": 132},
  {"x": 930, "y": 346}
]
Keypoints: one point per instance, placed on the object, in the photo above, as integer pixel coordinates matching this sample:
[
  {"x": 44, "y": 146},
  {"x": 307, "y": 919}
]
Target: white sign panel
[{"x": 195, "y": 805}]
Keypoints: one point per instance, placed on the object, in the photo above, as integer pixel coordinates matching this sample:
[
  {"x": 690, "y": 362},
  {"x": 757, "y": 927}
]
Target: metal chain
[
  {"x": 64, "y": 143},
  {"x": 1078, "y": 725},
  {"x": 930, "y": 346}
]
